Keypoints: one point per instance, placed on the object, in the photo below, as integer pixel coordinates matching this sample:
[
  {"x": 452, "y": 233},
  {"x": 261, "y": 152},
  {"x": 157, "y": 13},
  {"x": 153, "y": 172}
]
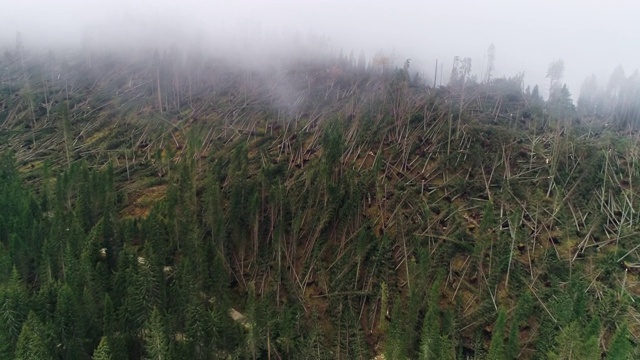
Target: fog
[{"x": 592, "y": 37}]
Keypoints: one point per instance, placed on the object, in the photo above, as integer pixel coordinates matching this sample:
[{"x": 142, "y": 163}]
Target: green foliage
[
  {"x": 156, "y": 339},
  {"x": 32, "y": 342},
  {"x": 560, "y": 103},
  {"x": 13, "y": 313},
  {"x": 620, "y": 347},
  {"x": 572, "y": 343},
  {"x": 435, "y": 341},
  {"x": 362, "y": 222},
  {"x": 396, "y": 346},
  {"x": 332, "y": 146},
  {"x": 68, "y": 323},
  {"x": 102, "y": 352},
  {"x": 497, "y": 349}
]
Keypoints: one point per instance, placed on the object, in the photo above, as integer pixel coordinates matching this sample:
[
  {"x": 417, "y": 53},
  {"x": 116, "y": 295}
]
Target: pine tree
[
  {"x": 395, "y": 345},
  {"x": 198, "y": 331},
  {"x": 560, "y": 103},
  {"x": 333, "y": 146},
  {"x": 156, "y": 342},
  {"x": 13, "y": 313},
  {"x": 431, "y": 342},
  {"x": 67, "y": 316},
  {"x": 32, "y": 343},
  {"x": 620, "y": 347},
  {"x": 573, "y": 342},
  {"x": 576, "y": 341},
  {"x": 513, "y": 344},
  {"x": 497, "y": 346},
  {"x": 111, "y": 326},
  {"x": 256, "y": 327},
  {"x": 103, "y": 352},
  {"x": 6, "y": 263}
]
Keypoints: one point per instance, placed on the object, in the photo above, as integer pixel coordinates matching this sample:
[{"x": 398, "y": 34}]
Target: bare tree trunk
[{"x": 158, "y": 86}]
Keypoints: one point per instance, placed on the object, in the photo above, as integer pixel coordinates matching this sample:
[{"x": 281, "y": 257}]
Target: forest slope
[{"x": 186, "y": 207}]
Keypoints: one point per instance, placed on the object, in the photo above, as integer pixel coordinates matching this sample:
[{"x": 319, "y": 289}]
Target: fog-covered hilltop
[
  {"x": 591, "y": 37},
  {"x": 178, "y": 202}
]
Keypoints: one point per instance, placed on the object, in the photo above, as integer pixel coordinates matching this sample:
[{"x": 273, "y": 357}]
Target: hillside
[{"x": 170, "y": 205}]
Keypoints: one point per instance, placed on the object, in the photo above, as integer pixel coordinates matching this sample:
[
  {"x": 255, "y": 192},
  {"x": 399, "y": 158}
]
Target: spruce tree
[
  {"x": 431, "y": 341},
  {"x": 32, "y": 344},
  {"x": 13, "y": 313},
  {"x": 67, "y": 316},
  {"x": 102, "y": 352},
  {"x": 156, "y": 341},
  {"x": 620, "y": 347},
  {"x": 513, "y": 343},
  {"x": 111, "y": 326},
  {"x": 497, "y": 346}
]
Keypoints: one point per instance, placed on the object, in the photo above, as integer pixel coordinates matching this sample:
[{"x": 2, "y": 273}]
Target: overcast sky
[{"x": 590, "y": 36}]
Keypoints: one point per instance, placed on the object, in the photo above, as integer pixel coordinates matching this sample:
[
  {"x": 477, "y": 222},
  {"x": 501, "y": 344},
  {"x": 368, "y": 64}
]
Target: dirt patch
[{"x": 143, "y": 201}]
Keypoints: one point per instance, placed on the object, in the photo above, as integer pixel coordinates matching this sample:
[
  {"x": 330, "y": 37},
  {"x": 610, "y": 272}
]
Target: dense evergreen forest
[{"x": 170, "y": 205}]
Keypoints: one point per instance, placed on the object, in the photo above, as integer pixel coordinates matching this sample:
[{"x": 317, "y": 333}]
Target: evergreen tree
[
  {"x": 111, "y": 328},
  {"x": 68, "y": 325},
  {"x": 432, "y": 345},
  {"x": 156, "y": 341},
  {"x": 620, "y": 347},
  {"x": 588, "y": 101},
  {"x": 13, "y": 313},
  {"x": 571, "y": 343},
  {"x": 497, "y": 349},
  {"x": 6, "y": 263},
  {"x": 102, "y": 352},
  {"x": 396, "y": 344},
  {"x": 513, "y": 344},
  {"x": 32, "y": 344},
  {"x": 560, "y": 103}
]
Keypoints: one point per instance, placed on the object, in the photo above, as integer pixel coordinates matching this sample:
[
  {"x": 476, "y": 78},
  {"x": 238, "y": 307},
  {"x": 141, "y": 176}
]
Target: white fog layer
[{"x": 592, "y": 37}]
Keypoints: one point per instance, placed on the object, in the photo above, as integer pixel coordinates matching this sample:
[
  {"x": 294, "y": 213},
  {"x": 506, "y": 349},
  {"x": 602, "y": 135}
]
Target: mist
[{"x": 590, "y": 36}]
